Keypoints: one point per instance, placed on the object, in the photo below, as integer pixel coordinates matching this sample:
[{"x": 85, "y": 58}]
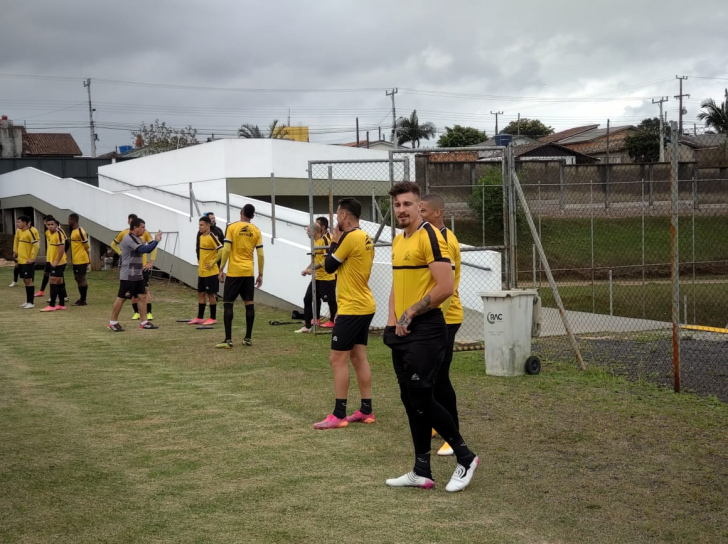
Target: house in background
[
  {"x": 516, "y": 139},
  {"x": 607, "y": 145},
  {"x": 568, "y": 133},
  {"x": 16, "y": 142},
  {"x": 371, "y": 144}
]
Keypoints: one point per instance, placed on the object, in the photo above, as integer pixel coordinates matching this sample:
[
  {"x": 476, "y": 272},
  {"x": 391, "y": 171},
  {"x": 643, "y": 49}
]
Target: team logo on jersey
[{"x": 407, "y": 256}]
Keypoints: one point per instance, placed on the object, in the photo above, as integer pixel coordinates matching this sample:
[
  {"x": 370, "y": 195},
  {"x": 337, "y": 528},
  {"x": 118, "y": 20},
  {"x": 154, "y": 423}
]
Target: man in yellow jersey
[
  {"x": 56, "y": 259},
  {"x": 351, "y": 256},
  {"x": 417, "y": 335},
  {"x": 26, "y": 246},
  {"x": 80, "y": 247},
  {"x": 325, "y": 283},
  {"x": 208, "y": 282},
  {"x": 329, "y": 287},
  {"x": 431, "y": 210},
  {"x": 148, "y": 263},
  {"x": 47, "y": 267},
  {"x": 242, "y": 238}
]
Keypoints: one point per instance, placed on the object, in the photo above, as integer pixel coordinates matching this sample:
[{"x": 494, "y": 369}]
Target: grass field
[{"x": 151, "y": 436}]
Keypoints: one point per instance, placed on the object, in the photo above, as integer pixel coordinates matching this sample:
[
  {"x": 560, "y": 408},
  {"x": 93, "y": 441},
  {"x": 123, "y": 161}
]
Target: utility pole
[
  {"x": 662, "y": 127},
  {"x": 496, "y": 113},
  {"x": 87, "y": 84},
  {"x": 394, "y": 116},
  {"x": 680, "y": 97},
  {"x": 357, "y": 132},
  {"x": 518, "y": 125}
]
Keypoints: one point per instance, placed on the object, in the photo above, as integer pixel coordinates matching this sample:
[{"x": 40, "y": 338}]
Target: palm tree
[
  {"x": 409, "y": 129},
  {"x": 275, "y": 131},
  {"x": 715, "y": 116}
]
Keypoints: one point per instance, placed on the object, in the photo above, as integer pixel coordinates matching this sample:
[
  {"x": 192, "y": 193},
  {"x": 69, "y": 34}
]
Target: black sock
[
  {"x": 62, "y": 293},
  {"x": 228, "y": 317},
  {"x": 45, "y": 282},
  {"x": 84, "y": 291},
  {"x": 149, "y": 307},
  {"x": 136, "y": 307},
  {"x": 213, "y": 311},
  {"x": 200, "y": 310},
  {"x": 16, "y": 274},
  {"x": 366, "y": 406},
  {"x": 249, "y": 318},
  {"x": 54, "y": 294},
  {"x": 422, "y": 465},
  {"x": 340, "y": 408},
  {"x": 462, "y": 452},
  {"x": 29, "y": 294}
]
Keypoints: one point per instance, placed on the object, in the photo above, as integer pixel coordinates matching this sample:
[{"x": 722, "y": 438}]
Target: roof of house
[
  {"x": 568, "y": 133},
  {"x": 363, "y": 143},
  {"x": 39, "y": 143},
  {"x": 594, "y": 134},
  {"x": 702, "y": 141},
  {"x": 526, "y": 149},
  {"x": 518, "y": 139}
]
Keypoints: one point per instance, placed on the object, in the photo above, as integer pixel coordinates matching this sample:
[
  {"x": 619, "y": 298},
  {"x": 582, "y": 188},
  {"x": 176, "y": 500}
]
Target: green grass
[{"x": 151, "y": 436}]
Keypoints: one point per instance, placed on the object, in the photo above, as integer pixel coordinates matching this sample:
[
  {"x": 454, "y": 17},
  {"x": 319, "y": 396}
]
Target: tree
[
  {"x": 275, "y": 131},
  {"x": 643, "y": 146},
  {"x": 157, "y": 137},
  {"x": 715, "y": 116},
  {"x": 458, "y": 136},
  {"x": 528, "y": 127},
  {"x": 409, "y": 129},
  {"x": 651, "y": 124}
]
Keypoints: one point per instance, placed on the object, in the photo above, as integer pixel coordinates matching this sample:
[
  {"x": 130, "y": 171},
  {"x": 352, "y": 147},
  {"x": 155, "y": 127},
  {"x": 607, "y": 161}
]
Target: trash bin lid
[{"x": 508, "y": 293}]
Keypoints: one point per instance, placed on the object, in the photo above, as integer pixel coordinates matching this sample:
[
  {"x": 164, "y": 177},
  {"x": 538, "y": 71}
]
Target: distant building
[
  {"x": 371, "y": 144},
  {"x": 16, "y": 142}
]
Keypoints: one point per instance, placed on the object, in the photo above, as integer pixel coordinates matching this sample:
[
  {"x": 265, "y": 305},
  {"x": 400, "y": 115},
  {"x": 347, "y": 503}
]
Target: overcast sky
[{"x": 217, "y": 64}]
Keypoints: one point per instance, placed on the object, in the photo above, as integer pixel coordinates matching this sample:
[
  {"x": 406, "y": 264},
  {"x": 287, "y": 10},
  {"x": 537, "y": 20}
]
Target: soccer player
[
  {"x": 47, "y": 267},
  {"x": 431, "y": 210},
  {"x": 26, "y": 246},
  {"x": 56, "y": 260},
  {"x": 208, "y": 282},
  {"x": 131, "y": 276},
  {"x": 351, "y": 255},
  {"x": 148, "y": 263},
  {"x": 80, "y": 247},
  {"x": 417, "y": 335},
  {"x": 214, "y": 229},
  {"x": 325, "y": 284},
  {"x": 241, "y": 238}
]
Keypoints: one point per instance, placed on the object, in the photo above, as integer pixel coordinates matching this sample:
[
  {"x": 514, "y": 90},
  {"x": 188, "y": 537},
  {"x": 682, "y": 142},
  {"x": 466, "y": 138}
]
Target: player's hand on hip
[
  {"x": 403, "y": 325},
  {"x": 306, "y": 272}
]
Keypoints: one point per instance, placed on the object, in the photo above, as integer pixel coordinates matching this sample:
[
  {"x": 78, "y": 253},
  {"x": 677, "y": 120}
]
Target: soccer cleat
[
  {"x": 195, "y": 321},
  {"x": 462, "y": 476},
  {"x": 116, "y": 327},
  {"x": 303, "y": 329},
  {"x": 59, "y": 307},
  {"x": 434, "y": 433},
  {"x": 23, "y": 304},
  {"x": 360, "y": 417},
  {"x": 225, "y": 344},
  {"x": 411, "y": 480},
  {"x": 27, "y": 306},
  {"x": 331, "y": 422},
  {"x": 49, "y": 309},
  {"x": 39, "y": 294},
  {"x": 327, "y": 325},
  {"x": 80, "y": 303},
  {"x": 135, "y": 317},
  {"x": 210, "y": 321},
  {"x": 150, "y": 317},
  {"x": 13, "y": 284},
  {"x": 445, "y": 449},
  {"x": 247, "y": 341},
  {"x": 147, "y": 325}
]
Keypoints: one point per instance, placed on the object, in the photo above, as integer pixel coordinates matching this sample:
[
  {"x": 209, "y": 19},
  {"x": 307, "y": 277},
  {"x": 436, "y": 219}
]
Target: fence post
[
  {"x": 651, "y": 172},
  {"x": 607, "y": 176},
  {"x": 696, "y": 198},
  {"x": 312, "y": 245},
  {"x": 331, "y": 194},
  {"x": 611, "y": 295},
  {"x": 374, "y": 217},
  {"x": 190, "y": 193},
  {"x": 273, "y": 207},
  {"x": 562, "y": 189},
  {"x": 675, "y": 260}
]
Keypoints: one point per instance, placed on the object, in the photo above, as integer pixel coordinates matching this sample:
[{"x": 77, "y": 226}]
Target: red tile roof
[
  {"x": 568, "y": 133},
  {"x": 36, "y": 144}
]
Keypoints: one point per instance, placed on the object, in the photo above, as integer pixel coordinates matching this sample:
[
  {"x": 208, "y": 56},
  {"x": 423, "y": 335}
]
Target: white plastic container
[{"x": 508, "y": 324}]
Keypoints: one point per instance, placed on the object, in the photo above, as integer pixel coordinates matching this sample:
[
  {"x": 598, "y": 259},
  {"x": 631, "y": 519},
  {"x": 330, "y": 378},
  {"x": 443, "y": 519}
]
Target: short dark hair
[
  {"x": 249, "y": 211},
  {"x": 404, "y": 187},
  {"x": 351, "y": 205},
  {"x": 24, "y": 218},
  {"x": 206, "y": 219},
  {"x": 436, "y": 200},
  {"x": 136, "y": 222},
  {"x": 48, "y": 218},
  {"x": 323, "y": 221},
  {"x": 73, "y": 216},
  {"x": 131, "y": 217}
]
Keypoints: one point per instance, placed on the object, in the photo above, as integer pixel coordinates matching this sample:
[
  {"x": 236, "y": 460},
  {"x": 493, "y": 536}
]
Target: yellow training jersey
[
  {"x": 56, "y": 242},
  {"x": 27, "y": 245},
  {"x": 146, "y": 238},
  {"x": 355, "y": 252},
  {"x": 243, "y": 239},
  {"x": 454, "y": 313},
  {"x": 79, "y": 246},
  {"x": 321, "y": 273},
  {"x": 209, "y": 246},
  {"x": 411, "y": 257}
]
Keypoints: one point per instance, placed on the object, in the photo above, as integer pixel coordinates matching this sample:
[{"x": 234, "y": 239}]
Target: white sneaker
[
  {"x": 461, "y": 477},
  {"x": 411, "y": 480},
  {"x": 13, "y": 284},
  {"x": 303, "y": 329},
  {"x": 27, "y": 306}
]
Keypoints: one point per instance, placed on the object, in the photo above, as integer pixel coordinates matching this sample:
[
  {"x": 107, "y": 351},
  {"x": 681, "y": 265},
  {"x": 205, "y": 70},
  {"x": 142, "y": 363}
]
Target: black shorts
[
  {"x": 208, "y": 284},
  {"x": 418, "y": 356},
  {"x": 131, "y": 288},
  {"x": 80, "y": 269},
  {"x": 350, "y": 330},
  {"x": 57, "y": 271},
  {"x": 146, "y": 274},
  {"x": 242, "y": 286},
  {"x": 26, "y": 271},
  {"x": 47, "y": 269}
]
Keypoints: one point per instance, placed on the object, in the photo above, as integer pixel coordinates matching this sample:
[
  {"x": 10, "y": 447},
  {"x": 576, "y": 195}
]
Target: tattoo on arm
[{"x": 419, "y": 308}]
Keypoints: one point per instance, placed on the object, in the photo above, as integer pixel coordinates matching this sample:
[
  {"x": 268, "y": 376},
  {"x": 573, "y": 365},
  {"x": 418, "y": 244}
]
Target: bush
[{"x": 486, "y": 202}]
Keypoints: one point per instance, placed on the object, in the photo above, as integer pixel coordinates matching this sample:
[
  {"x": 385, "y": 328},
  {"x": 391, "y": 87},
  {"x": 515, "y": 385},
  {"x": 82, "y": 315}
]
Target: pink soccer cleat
[
  {"x": 331, "y": 422},
  {"x": 49, "y": 309},
  {"x": 196, "y": 321},
  {"x": 210, "y": 321},
  {"x": 360, "y": 417}
]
